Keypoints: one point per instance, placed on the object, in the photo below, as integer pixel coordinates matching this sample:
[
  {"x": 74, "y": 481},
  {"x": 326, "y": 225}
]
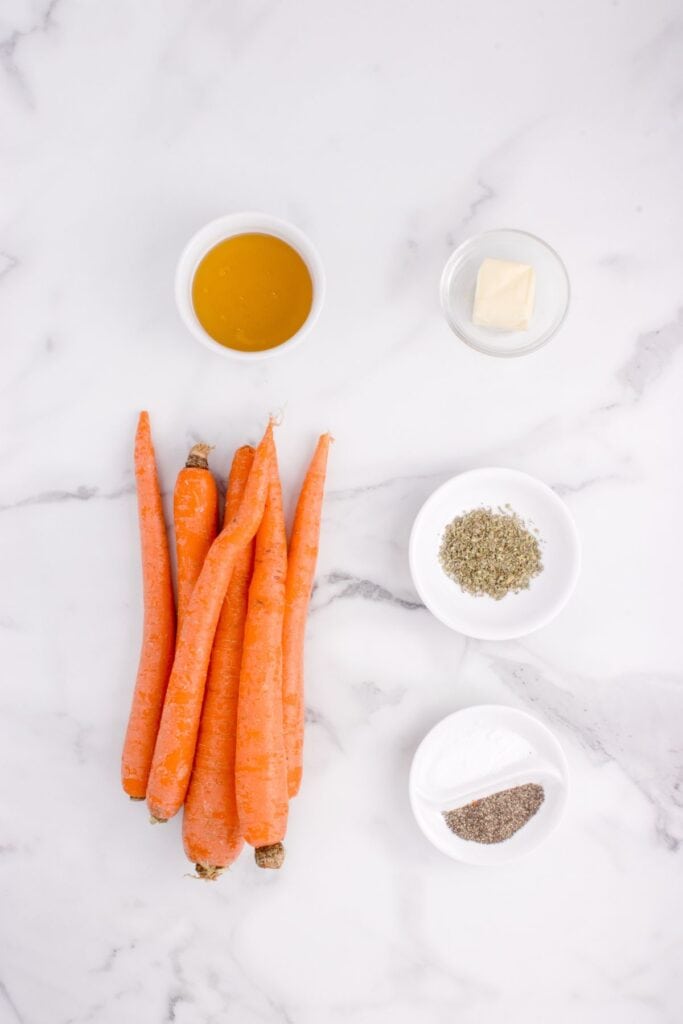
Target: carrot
[
  {"x": 211, "y": 829},
  {"x": 158, "y": 636},
  {"x": 303, "y": 555},
  {"x": 195, "y": 512},
  {"x": 260, "y": 759},
  {"x": 175, "y": 746}
]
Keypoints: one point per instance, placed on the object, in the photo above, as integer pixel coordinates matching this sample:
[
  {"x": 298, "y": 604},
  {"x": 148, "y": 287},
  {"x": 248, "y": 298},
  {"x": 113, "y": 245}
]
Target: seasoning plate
[
  {"x": 514, "y": 615},
  {"x": 456, "y": 753},
  {"x": 459, "y": 281}
]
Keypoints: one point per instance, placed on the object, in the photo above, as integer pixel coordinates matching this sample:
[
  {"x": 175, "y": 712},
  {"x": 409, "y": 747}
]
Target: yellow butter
[{"x": 504, "y": 296}]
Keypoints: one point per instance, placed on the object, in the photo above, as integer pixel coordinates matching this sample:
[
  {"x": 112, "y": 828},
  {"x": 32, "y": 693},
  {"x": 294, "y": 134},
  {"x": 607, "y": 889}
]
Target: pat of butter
[{"x": 505, "y": 295}]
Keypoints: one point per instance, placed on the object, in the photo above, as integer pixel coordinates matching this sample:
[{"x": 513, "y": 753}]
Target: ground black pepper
[{"x": 495, "y": 818}]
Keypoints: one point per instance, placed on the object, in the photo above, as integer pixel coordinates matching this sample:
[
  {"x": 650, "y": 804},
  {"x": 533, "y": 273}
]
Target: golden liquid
[{"x": 252, "y": 292}]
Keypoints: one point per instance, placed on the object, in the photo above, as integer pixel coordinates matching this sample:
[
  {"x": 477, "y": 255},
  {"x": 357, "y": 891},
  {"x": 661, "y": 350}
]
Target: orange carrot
[
  {"x": 211, "y": 829},
  {"x": 175, "y": 746},
  {"x": 195, "y": 512},
  {"x": 303, "y": 555},
  {"x": 260, "y": 759},
  {"x": 158, "y": 637}
]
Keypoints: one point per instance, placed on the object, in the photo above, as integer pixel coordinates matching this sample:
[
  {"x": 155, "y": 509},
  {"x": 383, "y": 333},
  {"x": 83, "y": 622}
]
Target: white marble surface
[{"x": 388, "y": 132}]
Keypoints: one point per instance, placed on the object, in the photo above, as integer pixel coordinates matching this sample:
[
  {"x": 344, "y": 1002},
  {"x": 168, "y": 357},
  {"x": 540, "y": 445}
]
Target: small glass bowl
[{"x": 459, "y": 280}]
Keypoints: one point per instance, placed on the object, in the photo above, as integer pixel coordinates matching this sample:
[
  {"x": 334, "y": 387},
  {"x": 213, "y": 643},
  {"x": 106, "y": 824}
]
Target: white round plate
[
  {"x": 459, "y": 280},
  {"x": 514, "y": 615},
  {"x": 476, "y": 727}
]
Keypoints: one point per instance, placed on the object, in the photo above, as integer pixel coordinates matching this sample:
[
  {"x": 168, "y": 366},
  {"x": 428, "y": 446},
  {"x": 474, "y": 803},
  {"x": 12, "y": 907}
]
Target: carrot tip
[
  {"x": 136, "y": 799},
  {"x": 272, "y": 856},
  {"x": 153, "y": 820},
  {"x": 208, "y": 872}
]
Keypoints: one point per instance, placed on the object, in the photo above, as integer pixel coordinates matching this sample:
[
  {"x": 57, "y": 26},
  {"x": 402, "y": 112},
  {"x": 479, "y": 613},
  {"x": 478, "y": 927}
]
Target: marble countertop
[{"x": 388, "y": 133}]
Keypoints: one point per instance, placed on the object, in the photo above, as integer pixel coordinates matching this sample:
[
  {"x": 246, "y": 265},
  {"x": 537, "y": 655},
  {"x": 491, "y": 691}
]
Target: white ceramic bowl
[
  {"x": 516, "y": 614},
  {"x": 468, "y": 736},
  {"x": 238, "y": 224},
  {"x": 458, "y": 284}
]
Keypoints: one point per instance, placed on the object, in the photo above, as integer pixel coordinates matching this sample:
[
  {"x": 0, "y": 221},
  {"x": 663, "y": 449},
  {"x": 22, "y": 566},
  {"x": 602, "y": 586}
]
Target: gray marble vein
[
  {"x": 376, "y": 698},
  {"x": 8, "y": 263},
  {"x": 59, "y": 497},
  {"x": 350, "y": 586},
  {"x": 486, "y": 194},
  {"x": 10, "y": 1004},
  {"x": 599, "y": 480},
  {"x": 363, "y": 490},
  {"x": 601, "y": 717},
  {"x": 316, "y": 717},
  {"x": 653, "y": 352},
  {"x": 9, "y": 45},
  {"x": 111, "y": 958}
]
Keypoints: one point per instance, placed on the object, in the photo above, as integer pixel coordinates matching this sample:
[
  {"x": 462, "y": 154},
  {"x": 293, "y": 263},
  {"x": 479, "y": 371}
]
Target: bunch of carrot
[{"x": 217, "y": 719}]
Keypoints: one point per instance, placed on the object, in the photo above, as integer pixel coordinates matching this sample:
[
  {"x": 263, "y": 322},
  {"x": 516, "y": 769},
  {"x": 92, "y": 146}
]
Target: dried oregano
[{"x": 489, "y": 552}]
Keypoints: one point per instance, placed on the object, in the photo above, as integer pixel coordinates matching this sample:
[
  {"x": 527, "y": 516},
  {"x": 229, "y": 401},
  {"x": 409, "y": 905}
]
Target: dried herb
[
  {"x": 495, "y": 818},
  {"x": 491, "y": 553}
]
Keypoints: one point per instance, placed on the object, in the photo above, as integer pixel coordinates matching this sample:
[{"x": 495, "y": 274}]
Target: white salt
[{"x": 474, "y": 753}]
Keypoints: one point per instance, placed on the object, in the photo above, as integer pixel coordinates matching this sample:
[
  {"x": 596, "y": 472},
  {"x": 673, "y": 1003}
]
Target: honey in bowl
[{"x": 252, "y": 292}]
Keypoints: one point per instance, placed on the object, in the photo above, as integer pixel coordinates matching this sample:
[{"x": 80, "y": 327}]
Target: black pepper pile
[
  {"x": 490, "y": 553},
  {"x": 495, "y": 818}
]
